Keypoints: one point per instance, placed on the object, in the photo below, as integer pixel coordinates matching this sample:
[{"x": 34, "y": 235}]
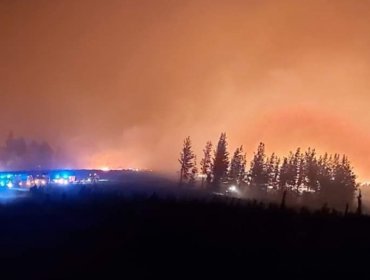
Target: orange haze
[{"x": 121, "y": 83}]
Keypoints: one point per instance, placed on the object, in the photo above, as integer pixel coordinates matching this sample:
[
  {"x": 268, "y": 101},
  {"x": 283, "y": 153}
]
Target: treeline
[
  {"x": 18, "y": 153},
  {"x": 301, "y": 172}
]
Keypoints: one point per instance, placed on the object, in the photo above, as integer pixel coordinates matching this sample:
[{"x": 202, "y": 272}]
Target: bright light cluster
[{"x": 61, "y": 181}]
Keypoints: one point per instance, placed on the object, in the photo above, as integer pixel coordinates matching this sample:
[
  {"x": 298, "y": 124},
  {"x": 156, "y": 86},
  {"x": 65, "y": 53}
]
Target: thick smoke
[
  {"x": 122, "y": 83},
  {"x": 20, "y": 154}
]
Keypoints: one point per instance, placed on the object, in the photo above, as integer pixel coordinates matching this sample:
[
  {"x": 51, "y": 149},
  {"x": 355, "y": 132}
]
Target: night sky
[{"x": 121, "y": 83}]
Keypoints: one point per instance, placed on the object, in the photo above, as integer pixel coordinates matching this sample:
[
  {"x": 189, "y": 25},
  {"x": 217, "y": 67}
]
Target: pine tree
[
  {"x": 344, "y": 179},
  {"x": 270, "y": 169},
  {"x": 297, "y": 169},
  {"x": 291, "y": 171},
  {"x": 220, "y": 161},
  {"x": 258, "y": 172},
  {"x": 337, "y": 180},
  {"x": 300, "y": 171},
  {"x": 276, "y": 179},
  {"x": 284, "y": 174},
  {"x": 325, "y": 172},
  {"x": 206, "y": 164},
  {"x": 349, "y": 176},
  {"x": 237, "y": 167},
  {"x": 193, "y": 172},
  {"x": 186, "y": 161},
  {"x": 311, "y": 170}
]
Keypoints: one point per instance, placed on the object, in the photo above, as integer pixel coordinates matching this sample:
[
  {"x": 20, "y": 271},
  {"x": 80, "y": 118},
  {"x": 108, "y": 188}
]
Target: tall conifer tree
[{"x": 220, "y": 161}]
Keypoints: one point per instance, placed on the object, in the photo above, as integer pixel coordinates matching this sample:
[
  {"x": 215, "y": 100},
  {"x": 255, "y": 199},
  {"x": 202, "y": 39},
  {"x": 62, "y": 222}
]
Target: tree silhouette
[
  {"x": 291, "y": 171},
  {"x": 258, "y": 173},
  {"x": 206, "y": 164},
  {"x": 19, "y": 154},
  {"x": 276, "y": 177},
  {"x": 311, "y": 170},
  {"x": 193, "y": 172},
  {"x": 186, "y": 161},
  {"x": 296, "y": 169},
  {"x": 344, "y": 180},
  {"x": 328, "y": 177},
  {"x": 325, "y": 172},
  {"x": 272, "y": 169},
  {"x": 284, "y": 173},
  {"x": 359, "y": 203},
  {"x": 220, "y": 161},
  {"x": 300, "y": 170},
  {"x": 237, "y": 167}
]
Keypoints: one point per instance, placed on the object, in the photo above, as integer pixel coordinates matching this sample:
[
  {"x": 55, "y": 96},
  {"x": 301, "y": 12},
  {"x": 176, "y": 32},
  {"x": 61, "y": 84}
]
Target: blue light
[
  {"x": 57, "y": 176},
  {"x": 2, "y": 183}
]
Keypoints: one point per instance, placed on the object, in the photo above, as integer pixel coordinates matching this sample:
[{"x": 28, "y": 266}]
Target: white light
[
  {"x": 10, "y": 185},
  {"x": 233, "y": 189}
]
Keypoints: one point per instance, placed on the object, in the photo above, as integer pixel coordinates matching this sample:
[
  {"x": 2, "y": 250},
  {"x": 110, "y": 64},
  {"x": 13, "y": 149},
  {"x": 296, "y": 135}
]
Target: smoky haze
[{"x": 121, "y": 83}]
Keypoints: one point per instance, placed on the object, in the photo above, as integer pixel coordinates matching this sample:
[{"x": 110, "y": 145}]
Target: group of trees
[
  {"x": 18, "y": 153},
  {"x": 300, "y": 171}
]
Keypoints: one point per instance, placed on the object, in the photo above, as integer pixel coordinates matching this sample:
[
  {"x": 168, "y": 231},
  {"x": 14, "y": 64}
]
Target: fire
[{"x": 105, "y": 168}]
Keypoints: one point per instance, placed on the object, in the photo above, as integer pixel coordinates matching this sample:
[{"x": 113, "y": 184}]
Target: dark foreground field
[{"x": 106, "y": 236}]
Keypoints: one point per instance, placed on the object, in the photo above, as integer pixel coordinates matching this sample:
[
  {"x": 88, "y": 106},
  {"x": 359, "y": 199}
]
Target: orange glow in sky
[{"x": 121, "y": 83}]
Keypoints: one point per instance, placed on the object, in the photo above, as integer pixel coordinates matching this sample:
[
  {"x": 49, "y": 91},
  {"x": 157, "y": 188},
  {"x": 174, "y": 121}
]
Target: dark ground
[{"x": 111, "y": 236}]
